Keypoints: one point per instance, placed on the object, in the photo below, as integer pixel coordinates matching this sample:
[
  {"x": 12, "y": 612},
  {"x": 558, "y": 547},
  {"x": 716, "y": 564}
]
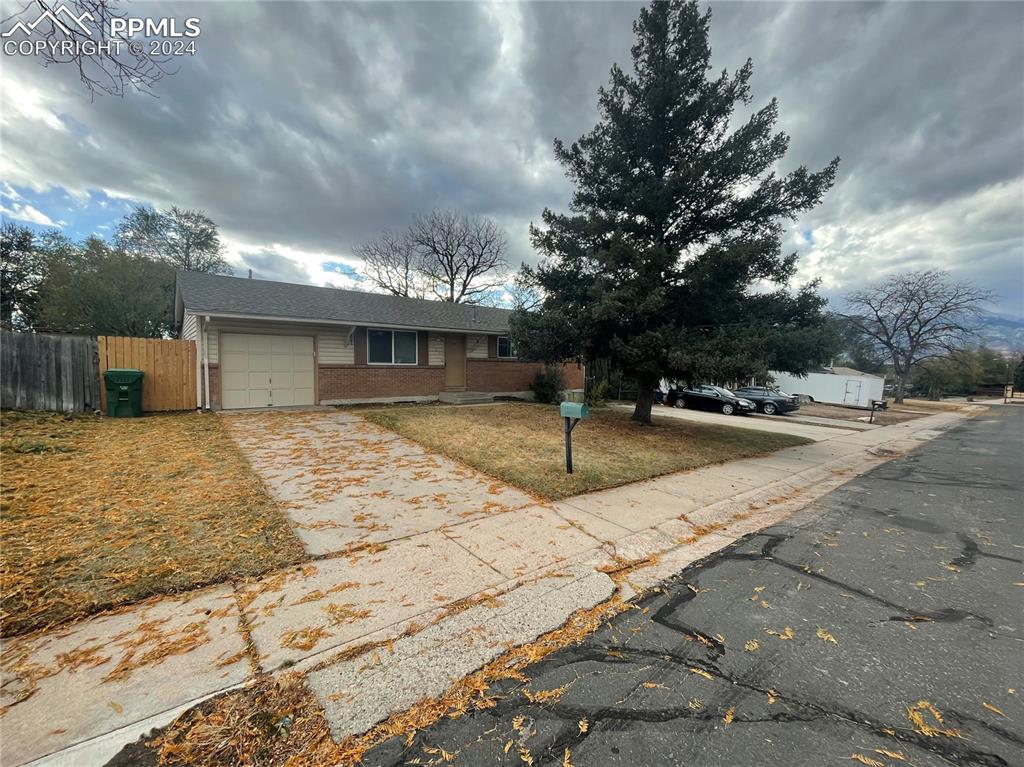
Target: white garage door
[{"x": 263, "y": 371}]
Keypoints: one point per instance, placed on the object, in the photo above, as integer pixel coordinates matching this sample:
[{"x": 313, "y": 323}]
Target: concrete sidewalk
[{"x": 501, "y": 577}]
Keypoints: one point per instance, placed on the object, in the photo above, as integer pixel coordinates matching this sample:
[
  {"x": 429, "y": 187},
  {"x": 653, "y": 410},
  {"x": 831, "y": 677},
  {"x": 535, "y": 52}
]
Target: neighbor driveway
[{"x": 777, "y": 424}]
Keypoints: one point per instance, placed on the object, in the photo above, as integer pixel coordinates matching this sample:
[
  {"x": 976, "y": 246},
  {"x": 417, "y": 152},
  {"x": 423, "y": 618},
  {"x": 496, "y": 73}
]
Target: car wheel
[
  {"x": 680, "y": 403},
  {"x": 727, "y": 408},
  {"x": 768, "y": 409}
]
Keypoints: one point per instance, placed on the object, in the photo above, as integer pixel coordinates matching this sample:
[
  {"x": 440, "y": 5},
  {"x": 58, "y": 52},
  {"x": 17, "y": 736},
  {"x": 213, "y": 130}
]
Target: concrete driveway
[
  {"x": 345, "y": 482},
  {"x": 778, "y": 424}
]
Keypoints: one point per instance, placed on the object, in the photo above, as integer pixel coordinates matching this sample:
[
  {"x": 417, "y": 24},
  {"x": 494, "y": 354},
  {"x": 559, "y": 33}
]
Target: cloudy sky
[{"x": 306, "y": 128}]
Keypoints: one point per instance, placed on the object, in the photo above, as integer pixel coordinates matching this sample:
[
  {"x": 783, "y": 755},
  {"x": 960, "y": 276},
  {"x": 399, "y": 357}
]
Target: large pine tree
[{"x": 670, "y": 263}]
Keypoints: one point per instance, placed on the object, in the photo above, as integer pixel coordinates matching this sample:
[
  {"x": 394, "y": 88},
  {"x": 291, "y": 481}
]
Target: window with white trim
[
  {"x": 392, "y": 347},
  {"x": 506, "y": 349}
]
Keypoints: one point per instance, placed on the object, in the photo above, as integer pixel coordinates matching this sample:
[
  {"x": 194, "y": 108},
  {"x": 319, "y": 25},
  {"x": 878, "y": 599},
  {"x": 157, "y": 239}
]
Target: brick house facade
[{"x": 262, "y": 343}]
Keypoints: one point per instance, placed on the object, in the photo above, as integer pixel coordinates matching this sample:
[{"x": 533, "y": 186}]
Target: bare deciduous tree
[
  {"x": 463, "y": 256},
  {"x": 108, "y": 62},
  {"x": 454, "y": 257},
  {"x": 393, "y": 264},
  {"x": 916, "y": 317}
]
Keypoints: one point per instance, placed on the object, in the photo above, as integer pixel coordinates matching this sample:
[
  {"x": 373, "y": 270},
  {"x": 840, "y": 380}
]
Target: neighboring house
[
  {"x": 833, "y": 385},
  {"x": 262, "y": 343}
]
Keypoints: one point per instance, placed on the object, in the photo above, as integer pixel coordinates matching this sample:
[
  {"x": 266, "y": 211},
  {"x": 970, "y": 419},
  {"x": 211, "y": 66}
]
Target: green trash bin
[{"x": 124, "y": 392}]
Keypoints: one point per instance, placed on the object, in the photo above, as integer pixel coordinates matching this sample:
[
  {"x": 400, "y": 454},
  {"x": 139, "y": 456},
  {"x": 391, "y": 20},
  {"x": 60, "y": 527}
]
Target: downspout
[
  {"x": 206, "y": 363},
  {"x": 199, "y": 366}
]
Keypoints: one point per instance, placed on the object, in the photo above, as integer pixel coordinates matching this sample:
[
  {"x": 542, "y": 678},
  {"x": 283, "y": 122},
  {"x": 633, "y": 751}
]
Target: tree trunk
[
  {"x": 901, "y": 386},
  {"x": 644, "y": 402}
]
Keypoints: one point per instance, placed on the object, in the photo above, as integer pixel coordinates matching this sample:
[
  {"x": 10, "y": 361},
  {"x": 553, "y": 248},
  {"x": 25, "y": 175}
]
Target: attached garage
[{"x": 266, "y": 371}]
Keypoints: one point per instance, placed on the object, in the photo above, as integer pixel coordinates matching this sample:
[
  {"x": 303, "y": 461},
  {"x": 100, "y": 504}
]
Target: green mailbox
[
  {"x": 575, "y": 410},
  {"x": 572, "y": 413},
  {"x": 124, "y": 392}
]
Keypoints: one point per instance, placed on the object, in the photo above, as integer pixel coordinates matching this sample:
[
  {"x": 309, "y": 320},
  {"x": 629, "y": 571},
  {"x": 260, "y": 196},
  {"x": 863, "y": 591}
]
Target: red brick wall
[
  {"x": 573, "y": 375},
  {"x": 344, "y": 382},
  {"x": 214, "y": 385},
  {"x": 508, "y": 375}
]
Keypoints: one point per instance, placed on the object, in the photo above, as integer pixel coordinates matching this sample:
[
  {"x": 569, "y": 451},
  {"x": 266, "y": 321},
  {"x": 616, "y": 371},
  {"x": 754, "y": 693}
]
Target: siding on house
[
  {"x": 435, "y": 349},
  {"x": 333, "y": 348},
  {"x": 476, "y": 347},
  {"x": 189, "y": 327}
]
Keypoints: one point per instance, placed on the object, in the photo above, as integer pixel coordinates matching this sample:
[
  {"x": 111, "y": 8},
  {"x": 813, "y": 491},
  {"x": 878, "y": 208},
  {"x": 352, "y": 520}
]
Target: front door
[{"x": 455, "y": 362}]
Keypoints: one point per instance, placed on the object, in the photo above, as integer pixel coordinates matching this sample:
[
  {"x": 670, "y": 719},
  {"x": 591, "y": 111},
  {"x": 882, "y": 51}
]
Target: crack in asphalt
[{"x": 942, "y": 615}]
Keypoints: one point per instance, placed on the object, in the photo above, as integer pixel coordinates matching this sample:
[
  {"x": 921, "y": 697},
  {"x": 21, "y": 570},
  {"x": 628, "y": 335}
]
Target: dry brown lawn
[
  {"x": 523, "y": 444},
  {"x": 98, "y": 512}
]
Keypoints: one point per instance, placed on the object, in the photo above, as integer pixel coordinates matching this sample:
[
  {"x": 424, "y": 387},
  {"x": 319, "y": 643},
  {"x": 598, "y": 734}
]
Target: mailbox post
[{"x": 572, "y": 413}]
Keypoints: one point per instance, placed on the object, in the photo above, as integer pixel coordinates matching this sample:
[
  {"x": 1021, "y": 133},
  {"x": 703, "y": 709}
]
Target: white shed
[{"x": 834, "y": 386}]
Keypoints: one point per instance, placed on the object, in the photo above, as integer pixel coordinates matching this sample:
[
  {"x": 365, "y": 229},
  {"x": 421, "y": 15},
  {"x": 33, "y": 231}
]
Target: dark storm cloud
[
  {"x": 268, "y": 265},
  {"x": 312, "y": 126}
]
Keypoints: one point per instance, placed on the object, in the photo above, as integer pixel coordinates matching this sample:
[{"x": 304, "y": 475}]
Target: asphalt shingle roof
[{"x": 217, "y": 294}]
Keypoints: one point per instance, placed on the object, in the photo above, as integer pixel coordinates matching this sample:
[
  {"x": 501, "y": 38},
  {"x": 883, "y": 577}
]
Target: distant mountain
[{"x": 1004, "y": 333}]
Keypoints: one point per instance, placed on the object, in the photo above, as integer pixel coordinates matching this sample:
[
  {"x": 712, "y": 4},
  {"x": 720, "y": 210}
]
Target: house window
[
  {"x": 506, "y": 349},
  {"x": 391, "y": 347}
]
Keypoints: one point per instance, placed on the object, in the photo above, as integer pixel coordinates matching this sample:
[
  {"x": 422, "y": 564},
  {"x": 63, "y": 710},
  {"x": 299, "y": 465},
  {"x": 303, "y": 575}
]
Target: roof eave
[{"x": 347, "y": 322}]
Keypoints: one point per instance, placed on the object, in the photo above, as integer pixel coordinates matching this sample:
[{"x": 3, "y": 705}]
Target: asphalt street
[{"x": 880, "y": 627}]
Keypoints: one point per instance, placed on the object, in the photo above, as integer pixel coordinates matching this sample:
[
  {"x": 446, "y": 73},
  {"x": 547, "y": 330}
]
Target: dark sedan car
[
  {"x": 710, "y": 398},
  {"x": 769, "y": 401}
]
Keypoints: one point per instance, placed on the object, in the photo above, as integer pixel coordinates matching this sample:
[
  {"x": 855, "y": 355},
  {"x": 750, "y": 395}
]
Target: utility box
[
  {"x": 574, "y": 410},
  {"x": 124, "y": 392}
]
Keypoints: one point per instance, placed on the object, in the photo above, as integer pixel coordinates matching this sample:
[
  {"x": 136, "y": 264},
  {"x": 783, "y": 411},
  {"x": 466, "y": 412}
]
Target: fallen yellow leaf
[
  {"x": 117, "y": 707},
  {"x": 786, "y": 633},
  {"x": 897, "y": 755},
  {"x": 825, "y": 636},
  {"x": 701, "y": 672},
  {"x": 565, "y": 758},
  {"x": 584, "y": 725},
  {"x": 867, "y": 760},
  {"x": 915, "y": 714},
  {"x": 751, "y": 646},
  {"x": 729, "y": 715},
  {"x": 993, "y": 709}
]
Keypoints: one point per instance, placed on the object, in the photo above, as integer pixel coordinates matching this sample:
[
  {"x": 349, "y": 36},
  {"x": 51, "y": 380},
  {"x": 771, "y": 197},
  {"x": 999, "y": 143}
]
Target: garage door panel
[
  {"x": 234, "y": 362},
  {"x": 264, "y": 370},
  {"x": 258, "y": 380},
  {"x": 259, "y": 344},
  {"x": 234, "y": 343},
  {"x": 282, "y": 362}
]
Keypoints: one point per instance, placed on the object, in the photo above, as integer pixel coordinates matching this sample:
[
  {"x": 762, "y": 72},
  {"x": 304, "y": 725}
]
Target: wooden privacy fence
[
  {"x": 169, "y": 366},
  {"x": 48, "y": 372}
]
